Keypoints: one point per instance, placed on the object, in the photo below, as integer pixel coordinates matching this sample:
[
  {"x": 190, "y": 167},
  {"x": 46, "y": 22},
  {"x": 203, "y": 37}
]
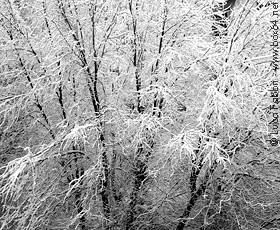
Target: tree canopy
[{"x": 128, "y": 115}]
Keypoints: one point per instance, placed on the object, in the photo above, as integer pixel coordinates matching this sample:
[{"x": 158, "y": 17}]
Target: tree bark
[
  {"x": 195, "y": 193},
  {"x": 139, "y": 175}
]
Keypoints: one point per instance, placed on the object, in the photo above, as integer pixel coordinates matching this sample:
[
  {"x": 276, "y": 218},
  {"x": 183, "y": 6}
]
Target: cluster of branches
[{"x": 131, "y": 115}]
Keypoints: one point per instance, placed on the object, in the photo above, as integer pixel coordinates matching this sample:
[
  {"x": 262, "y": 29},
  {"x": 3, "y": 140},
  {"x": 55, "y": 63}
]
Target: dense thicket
[{"x": 131, "y": 115}]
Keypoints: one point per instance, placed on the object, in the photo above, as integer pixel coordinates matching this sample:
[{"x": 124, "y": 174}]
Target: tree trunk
[
  {"x": 139, "y": 174},
  {"x": 195, "y": 193}
]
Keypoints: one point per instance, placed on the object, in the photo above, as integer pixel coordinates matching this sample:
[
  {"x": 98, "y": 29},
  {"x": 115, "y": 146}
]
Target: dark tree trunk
[
  {"x": 105, "y": 192},
  {"x": 140, "y": 175},
  {"x": 195, "y": 193},
  {"x": 78, "y": 193}
]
